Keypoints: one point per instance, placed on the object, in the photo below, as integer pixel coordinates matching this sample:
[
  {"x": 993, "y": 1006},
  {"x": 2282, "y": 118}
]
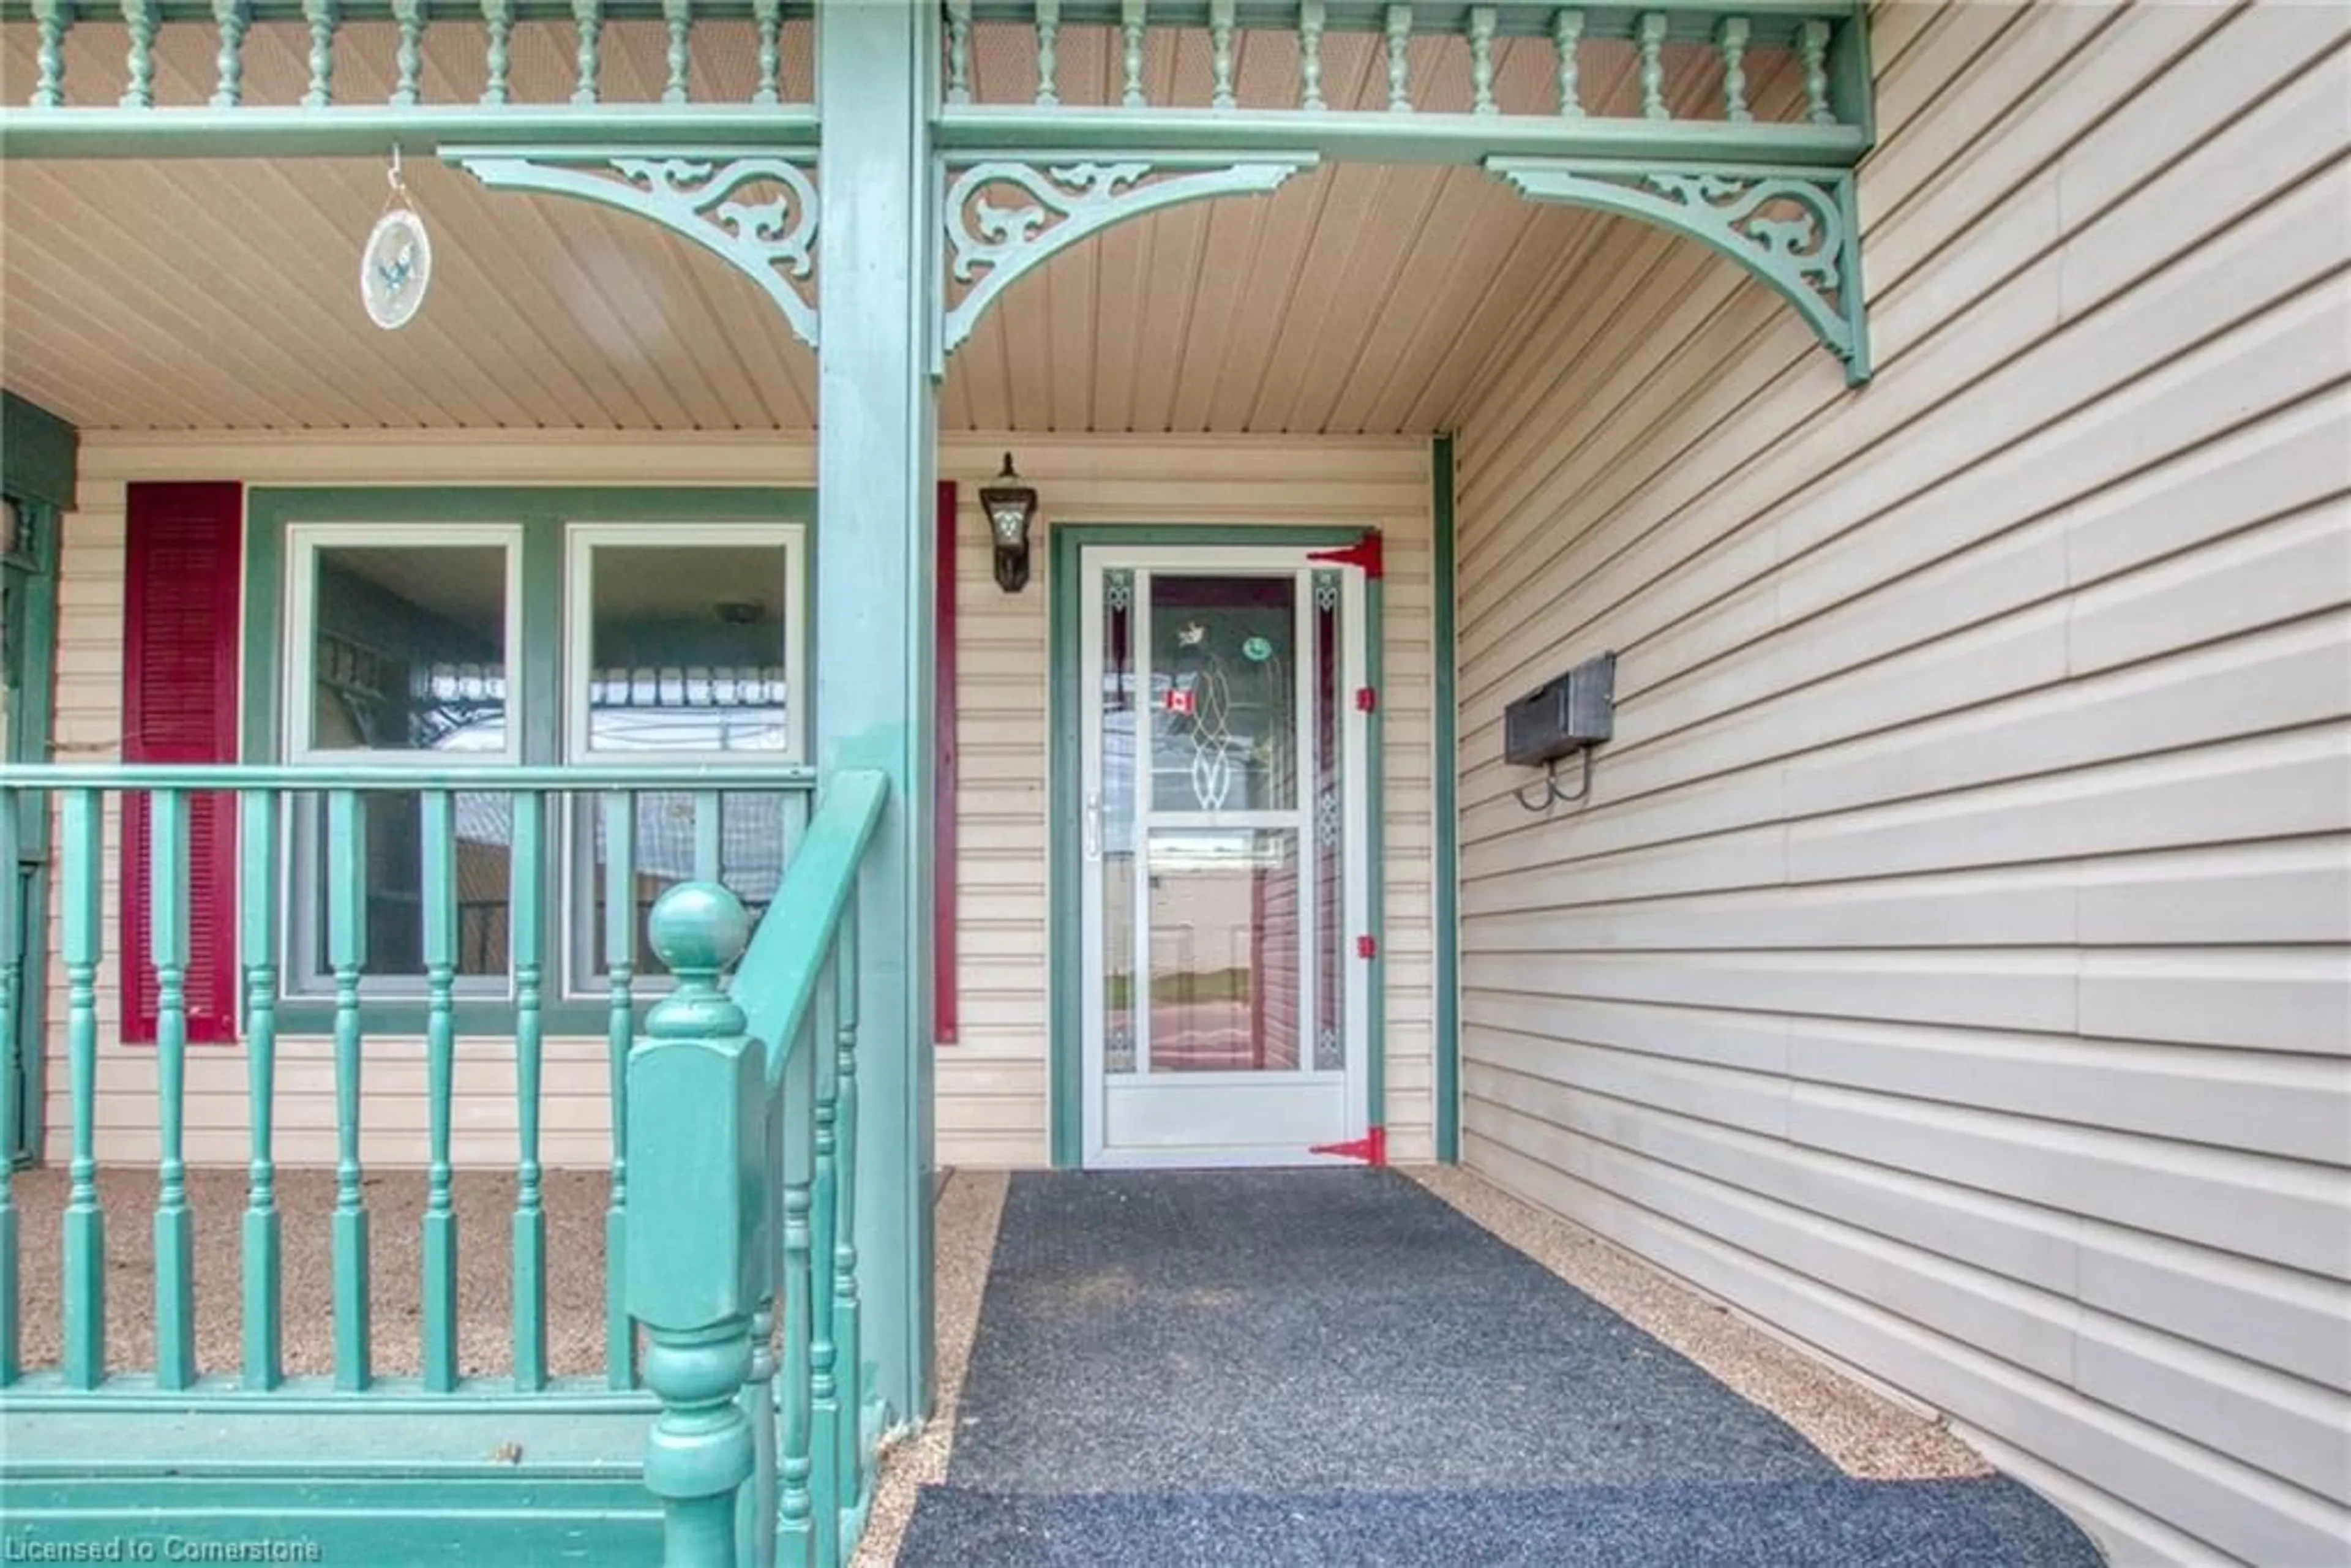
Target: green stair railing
[
  {"x": 310, "y": 878},
  {"x": 742, "y": 1113}
]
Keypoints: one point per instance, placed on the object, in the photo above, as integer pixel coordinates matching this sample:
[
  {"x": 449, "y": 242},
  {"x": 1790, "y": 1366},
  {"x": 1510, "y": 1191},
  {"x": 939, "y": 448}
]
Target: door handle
[{"x": 1093, "y": 827}]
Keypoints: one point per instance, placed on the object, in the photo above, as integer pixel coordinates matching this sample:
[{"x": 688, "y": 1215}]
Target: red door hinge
[
  {"x": 1365, "y": 552},
  {"x": 1372, "y": 1148},
  {"x": 1367, "y": 947},
  {"x": 1368, "y": 699}
]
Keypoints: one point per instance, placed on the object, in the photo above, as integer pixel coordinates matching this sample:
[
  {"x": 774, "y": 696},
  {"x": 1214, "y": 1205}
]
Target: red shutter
[
  {"x": 181, "y": 568},
  {"x": 943, "y": 824}
]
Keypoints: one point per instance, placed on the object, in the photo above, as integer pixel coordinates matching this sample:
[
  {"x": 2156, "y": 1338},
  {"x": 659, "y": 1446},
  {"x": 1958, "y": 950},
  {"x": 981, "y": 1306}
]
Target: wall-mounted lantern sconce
[{"x": 1010, "y": 507}]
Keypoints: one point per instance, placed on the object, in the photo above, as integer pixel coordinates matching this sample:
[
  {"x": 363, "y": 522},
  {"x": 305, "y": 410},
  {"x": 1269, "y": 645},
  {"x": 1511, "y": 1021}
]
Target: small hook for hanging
[{"x": 398, "y": 187}]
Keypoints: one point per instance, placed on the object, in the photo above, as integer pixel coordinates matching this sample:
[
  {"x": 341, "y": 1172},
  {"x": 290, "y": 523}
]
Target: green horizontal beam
[
  {"x": 373, "y": 130},
  {"x": 1773, "y": 22},
  {"x": 967, "y": 133},
  {"x": 569, "y": 777}
]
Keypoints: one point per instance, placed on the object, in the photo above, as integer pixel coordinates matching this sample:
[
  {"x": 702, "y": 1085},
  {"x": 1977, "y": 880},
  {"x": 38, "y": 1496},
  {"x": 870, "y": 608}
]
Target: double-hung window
[
  {"x": 529, "y": 636},
  {"x": 680, "y": 644}
]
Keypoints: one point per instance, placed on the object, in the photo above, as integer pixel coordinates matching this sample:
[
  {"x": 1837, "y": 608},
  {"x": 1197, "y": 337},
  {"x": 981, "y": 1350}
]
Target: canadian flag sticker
[{"x": 1179, "y": 701}]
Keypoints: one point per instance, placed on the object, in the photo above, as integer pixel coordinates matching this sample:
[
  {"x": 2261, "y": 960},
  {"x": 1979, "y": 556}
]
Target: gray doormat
[{"x": 1335, "y": 1366}]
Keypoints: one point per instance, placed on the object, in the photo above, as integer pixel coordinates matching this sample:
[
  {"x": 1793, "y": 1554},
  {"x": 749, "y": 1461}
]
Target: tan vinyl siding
[
  {"x": 1950, "y": 968},
  {"x": 992, "y": 1104},
  {"x": 992, "y": 1100}
]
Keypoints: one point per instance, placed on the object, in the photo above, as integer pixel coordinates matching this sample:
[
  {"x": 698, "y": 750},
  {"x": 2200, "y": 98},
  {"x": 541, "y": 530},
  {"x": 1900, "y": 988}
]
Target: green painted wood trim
[
  {"x": 1447, "y": 890},
  {"x": 37, "y": 454},
  {"x": 784, "y": 971},
  {"x": 373, "y": 130},
  {"x": 1691, "y": 19},
  {"x": 1064, "y": 715},
  {"x": 31, "y": 738},
  {"x": 878, "y": 502},
  {"x": 223, "y": 1394},
  {"x": 1380, "y": 136}
]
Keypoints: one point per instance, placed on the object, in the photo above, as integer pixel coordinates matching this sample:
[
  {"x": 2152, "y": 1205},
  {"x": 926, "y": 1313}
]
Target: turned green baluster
[
  {"x": 167, "y": 948},
  {"x": 321, "y": 16},
  {"x": 679, "y": 16},
  {"x": 699, "y": 1086},
  {"x": 1399, "y": 30},
  {"x": 620, "y": 1008},
  {"x": 82, "y": 939},
  {"x": 1048, "y": 57},
  {"x": 768, "y": 15},
  {"x": 1567, "y": 36},
  {"x": 498, "y": 17},
  {"x": 1311, "y": 20},
  {"x": 848, "y": 1345},
  {"x": 1732, "y": 39},
  {"x": 589, "y": 16},
  {"x": 410, "y": 57},
  {"x": 346, "y": 953},
  {"x": 958, "y": 51},
  {"x": 231, "y": 16},
  {"x": 529, "y": 928},
  {"x": 1813, "y": 41},
  {"x": 1652, "y": 66},
  {"x": 1482, "y": 21},
  {"x": 758, "y": 1399},
  {"x": 257, "y": 921},
  {"x": 795, "y": 1465},
  {"x": 826, "y": 1482},
  {"x": 439, "y": 829},
  {"x": 54, "y": 17},
  {"x": 11, "y": 986},
  {"x": 1221, "y": 53},
  {"x": 142, "y": 17},
  {"x": 1130, "y": 30}
]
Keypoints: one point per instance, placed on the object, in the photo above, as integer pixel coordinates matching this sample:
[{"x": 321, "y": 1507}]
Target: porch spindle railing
[
  {"x": 1790, "y": 63},
  {"x": 369, "y": 69},
  {"x": 369, "y": 960},
  {"x": 743, "y": 1136}
]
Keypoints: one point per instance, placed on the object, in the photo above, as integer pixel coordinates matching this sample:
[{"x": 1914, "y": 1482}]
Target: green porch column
[{"x": 876, "y": 85}]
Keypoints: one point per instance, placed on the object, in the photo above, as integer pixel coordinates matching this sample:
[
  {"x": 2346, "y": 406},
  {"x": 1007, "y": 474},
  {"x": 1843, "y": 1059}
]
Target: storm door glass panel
[
  {"x": 1224, "y": 978},
  {"x": 1329, "y": 834},
  {"x": 1114, "y": 811},
  {"x": 1224, "y": 698}
]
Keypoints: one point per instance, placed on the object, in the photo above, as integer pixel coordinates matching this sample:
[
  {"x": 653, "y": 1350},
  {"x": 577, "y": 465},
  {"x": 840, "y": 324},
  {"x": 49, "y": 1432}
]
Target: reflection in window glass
[
  {"x": 755, "y": 831},
  {"x": 408, "y": 648},
  {"x": 687, "y": 648}
]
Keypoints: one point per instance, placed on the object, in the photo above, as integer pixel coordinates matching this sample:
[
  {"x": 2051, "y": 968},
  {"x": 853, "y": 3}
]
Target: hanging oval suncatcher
[{"x": 396, "y": 264}]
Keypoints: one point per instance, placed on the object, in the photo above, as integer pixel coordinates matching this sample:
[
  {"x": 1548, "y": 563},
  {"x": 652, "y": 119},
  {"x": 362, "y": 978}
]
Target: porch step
[{"x": 413, "y": 1482}]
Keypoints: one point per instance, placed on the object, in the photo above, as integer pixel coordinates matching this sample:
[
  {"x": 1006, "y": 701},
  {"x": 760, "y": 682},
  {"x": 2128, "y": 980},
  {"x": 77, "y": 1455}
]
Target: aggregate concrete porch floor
[
  {"x": 574, "y": 1201},
  {"x": 1339, "y": 1367}
]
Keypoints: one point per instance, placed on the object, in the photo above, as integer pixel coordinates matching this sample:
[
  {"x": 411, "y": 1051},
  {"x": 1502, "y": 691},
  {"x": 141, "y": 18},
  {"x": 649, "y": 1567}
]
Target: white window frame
[
  {"x": 304, "y": 972},
  {"x": 296, "y": 693},
  {"x": 580, "y": 543},
  {"x": 580, "y": 981}
]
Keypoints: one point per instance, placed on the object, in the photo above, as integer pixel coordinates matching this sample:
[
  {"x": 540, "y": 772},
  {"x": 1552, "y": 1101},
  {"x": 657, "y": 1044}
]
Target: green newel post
[
  {"x": 877, "y": 69},
  {"x": 696, "y": 1089}
]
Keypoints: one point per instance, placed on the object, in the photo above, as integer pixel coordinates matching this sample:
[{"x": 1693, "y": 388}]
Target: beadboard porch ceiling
[{"x": 199, "y": 295}]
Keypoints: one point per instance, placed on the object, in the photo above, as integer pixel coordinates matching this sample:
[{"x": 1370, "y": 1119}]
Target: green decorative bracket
[
  {"x": 769, "y": 235},
  {"x": 1058, "y": 204},
  {"x": 1795, "y": 228}
]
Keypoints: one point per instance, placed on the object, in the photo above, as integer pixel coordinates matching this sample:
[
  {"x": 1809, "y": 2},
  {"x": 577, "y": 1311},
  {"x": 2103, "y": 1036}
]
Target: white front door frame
[{"x": 1270, "y": 1120}]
